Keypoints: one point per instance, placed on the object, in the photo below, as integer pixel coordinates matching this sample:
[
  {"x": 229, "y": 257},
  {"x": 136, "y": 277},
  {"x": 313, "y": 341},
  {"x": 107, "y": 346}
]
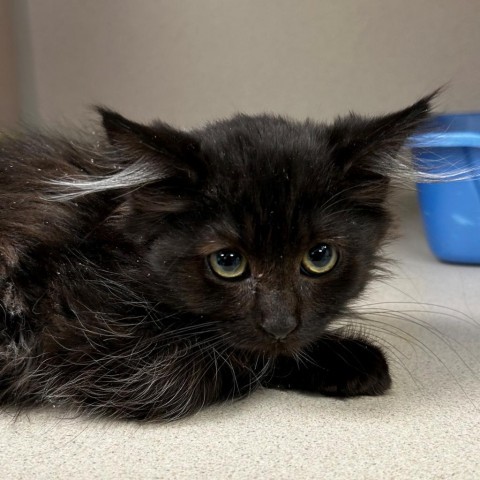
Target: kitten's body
[{"x": 107, "y": 300}]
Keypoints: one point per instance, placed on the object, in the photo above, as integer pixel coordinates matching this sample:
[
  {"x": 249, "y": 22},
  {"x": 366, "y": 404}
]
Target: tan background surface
[
  {"x": 188, "y": 61},
  {"x": 9, "y": 102}
]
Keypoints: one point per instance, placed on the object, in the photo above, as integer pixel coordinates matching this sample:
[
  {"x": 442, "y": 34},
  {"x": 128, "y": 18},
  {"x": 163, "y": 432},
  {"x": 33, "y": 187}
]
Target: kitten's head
[{"x": 263, "y": 226}]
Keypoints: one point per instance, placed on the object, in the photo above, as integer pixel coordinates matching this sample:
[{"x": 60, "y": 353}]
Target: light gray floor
[{"x": 427, "y": 427}]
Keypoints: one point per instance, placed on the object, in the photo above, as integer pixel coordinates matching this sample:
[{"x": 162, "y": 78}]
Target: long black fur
[{"x": 107, "y": 302}]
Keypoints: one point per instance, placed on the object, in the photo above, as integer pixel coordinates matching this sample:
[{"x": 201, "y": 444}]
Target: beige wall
[
  {"x": 187, "y": 61},
  {"x": 9, "y": 106}
]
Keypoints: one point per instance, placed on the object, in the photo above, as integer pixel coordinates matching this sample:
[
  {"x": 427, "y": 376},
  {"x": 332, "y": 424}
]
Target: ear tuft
[
  {"x": 367, "y": 143},
  {"x": 116, "y": 125},
  {"x": 159, "y": 143},
  {"x": 365, "y": 152},
  {"x": 160, "y": 137}
]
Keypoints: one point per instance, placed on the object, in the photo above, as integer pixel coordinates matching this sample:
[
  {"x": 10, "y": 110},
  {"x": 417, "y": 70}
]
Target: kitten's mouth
[
  {"x": 273, "y": 347},
  {"x": 281, "y": 347}
]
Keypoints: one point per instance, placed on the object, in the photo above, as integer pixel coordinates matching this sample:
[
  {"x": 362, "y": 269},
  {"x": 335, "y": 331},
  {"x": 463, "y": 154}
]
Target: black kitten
[{"x": 156, "y": 271}]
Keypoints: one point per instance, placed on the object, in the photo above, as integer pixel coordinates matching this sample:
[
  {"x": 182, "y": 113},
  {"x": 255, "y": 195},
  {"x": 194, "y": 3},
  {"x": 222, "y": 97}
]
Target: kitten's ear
[
  {"x": 366, "y": 147},
  {"x": 174, "y": 149}
]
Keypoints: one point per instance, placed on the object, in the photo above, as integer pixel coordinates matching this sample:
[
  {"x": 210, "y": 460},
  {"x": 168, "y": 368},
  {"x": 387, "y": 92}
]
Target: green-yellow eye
[
  {"x": 228, "y": 264},
  {"x": 319, "y": 259}
]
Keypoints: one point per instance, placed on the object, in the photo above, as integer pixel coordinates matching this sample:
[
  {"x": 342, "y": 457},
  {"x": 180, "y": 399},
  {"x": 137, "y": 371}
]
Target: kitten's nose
[{"x": 279, "y": 328}]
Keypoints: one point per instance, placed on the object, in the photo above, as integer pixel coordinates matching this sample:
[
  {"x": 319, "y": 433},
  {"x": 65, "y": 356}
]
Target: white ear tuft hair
[{"x": 130, "y": 178}]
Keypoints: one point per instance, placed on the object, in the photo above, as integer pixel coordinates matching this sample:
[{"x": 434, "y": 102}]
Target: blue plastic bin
[{"x": 451, "y": 208}]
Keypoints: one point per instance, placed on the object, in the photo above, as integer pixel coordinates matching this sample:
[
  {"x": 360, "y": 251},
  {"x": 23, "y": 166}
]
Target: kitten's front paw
[
  {"x": 339, "y": 366},
  {"x": 360, "y": 369}
]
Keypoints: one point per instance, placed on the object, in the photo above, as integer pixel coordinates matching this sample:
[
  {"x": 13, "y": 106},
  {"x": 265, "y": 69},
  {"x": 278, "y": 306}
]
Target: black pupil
[
  {"x": 320, "y": 255},
  {"x": 229, "y": 261}
]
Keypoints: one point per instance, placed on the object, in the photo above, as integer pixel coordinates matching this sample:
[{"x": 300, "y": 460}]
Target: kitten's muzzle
[{"x": 279, "y": 328}]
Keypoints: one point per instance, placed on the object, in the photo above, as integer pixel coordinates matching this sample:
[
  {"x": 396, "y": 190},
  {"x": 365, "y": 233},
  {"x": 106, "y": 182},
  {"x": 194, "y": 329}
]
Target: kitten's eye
[
  {"x": 319, "y": 259},
  {"x": 228, "y": 264}
]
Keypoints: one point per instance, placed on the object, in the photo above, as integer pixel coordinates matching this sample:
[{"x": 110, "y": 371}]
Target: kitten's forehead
[
  {"x": 270, "y": 178},
  {"x": 253, "y": 138},
  {"x": 270, "y": 157},
  {"x": 273, "y": 237}
]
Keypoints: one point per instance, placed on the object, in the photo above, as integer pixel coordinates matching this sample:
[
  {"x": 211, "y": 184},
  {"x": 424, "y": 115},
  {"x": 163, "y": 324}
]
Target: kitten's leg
[{"x": 335, "y": 366}]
